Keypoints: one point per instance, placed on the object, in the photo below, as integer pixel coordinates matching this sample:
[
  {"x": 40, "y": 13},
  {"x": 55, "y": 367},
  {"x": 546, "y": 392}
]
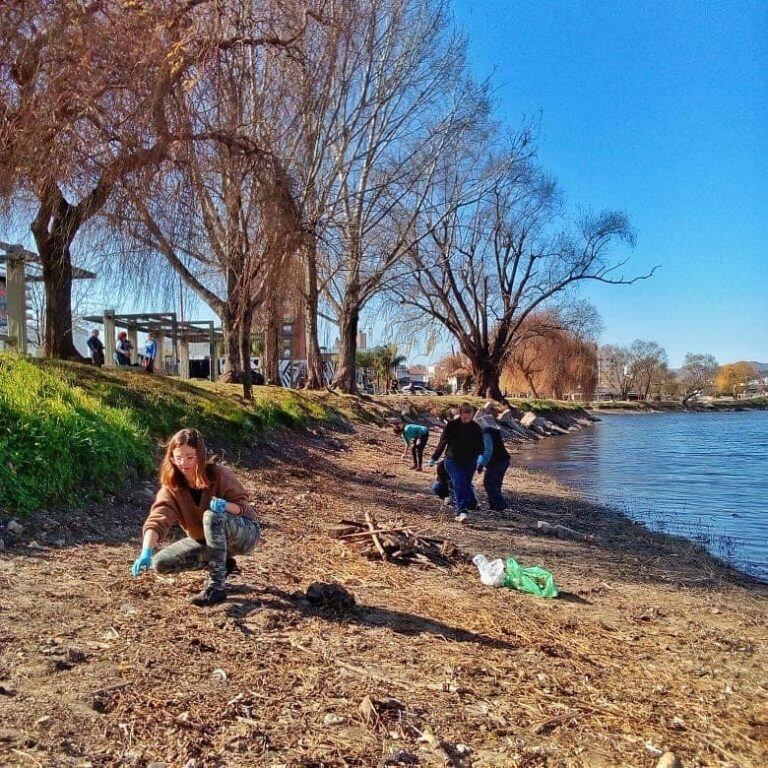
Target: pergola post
[
  {"x": 176, "y": 368},
  {"x": 214, "y": 356},
  {"x": 16, "y": 298},
  {"x": 133, "y": 337},
  {"x": 160, "y": 357},
  {"x": 184, "y": 357},
  {"x": 110, "y": 342}
]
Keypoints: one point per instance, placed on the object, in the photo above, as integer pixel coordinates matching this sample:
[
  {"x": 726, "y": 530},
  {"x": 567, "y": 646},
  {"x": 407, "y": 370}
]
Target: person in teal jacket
[{"x": 415, "y": 436}]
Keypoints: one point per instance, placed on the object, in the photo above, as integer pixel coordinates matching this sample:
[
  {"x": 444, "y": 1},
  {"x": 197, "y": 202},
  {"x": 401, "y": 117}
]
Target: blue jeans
[
  {"x": 461, "y": 479},
  {"x": 494, "y": 477},
  {"x": 444, "y": 491}
]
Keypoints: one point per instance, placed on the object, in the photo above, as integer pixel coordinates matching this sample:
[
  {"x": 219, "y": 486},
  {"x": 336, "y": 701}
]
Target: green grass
[
  {"x": 68, "y": 429},
  {"x": 57, "y": 440}
]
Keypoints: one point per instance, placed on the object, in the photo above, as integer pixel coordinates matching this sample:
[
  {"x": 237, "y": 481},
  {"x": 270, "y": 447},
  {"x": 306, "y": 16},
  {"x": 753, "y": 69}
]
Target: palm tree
[{"x": 386, "y": 362}]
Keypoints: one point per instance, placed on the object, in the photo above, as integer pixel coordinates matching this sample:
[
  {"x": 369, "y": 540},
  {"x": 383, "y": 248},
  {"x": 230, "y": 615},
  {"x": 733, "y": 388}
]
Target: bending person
[
  {"x": 495, "y": 460},
  {"x": 208, "y": 502},
  {"x": 415, "y": 436},
  {"x": 462, "y": 441}
]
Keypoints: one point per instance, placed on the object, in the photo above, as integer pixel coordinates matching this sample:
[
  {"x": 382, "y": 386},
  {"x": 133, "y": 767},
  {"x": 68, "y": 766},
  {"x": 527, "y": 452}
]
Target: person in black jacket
[
  {"x": 462, "y": 441},
  {"x": 96, "y": 346},
  {"x": 495, "y": 460}
]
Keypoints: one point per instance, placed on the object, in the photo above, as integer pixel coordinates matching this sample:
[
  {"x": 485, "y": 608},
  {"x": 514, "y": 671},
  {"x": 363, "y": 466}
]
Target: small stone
[
  {"x": 6, "y": 689},
  {"x": 75, "y": 655},
  {"x": 652, "y": 749},
  {"x": 669, "y": 760},
  {"x": 330, "y": 595},
  {"x": 428, "y": 737},
  {"x": 332, "y": 719},
  {"x": 219, "y": 674},
  {"x": 14, "y": 526},
  {"x": 677, "y": 724},
  {"x": 41, "y": 721}
]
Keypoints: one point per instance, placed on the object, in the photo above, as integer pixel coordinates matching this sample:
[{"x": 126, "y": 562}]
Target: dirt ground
[{"x": 651, "y": 646}]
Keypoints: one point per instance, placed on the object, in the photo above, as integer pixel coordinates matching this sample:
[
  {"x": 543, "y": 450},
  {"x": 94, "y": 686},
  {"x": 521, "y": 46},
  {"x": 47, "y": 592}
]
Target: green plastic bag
[{"x": 534, "y": 580}]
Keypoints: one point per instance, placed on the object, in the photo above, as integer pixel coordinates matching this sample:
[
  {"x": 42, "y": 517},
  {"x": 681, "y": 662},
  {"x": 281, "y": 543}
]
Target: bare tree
[
  {"x": 647, "y": 364},
  {"x": 616, "y": 371},
  {"x": 697, "y": 375},
  {"x": 397, "y": 102},
  {"x": 491, "y": 263}
]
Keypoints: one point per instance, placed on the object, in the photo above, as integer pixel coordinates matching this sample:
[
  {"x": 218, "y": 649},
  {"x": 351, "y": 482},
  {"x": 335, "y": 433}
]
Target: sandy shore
[{"x": 652, "y": 645}]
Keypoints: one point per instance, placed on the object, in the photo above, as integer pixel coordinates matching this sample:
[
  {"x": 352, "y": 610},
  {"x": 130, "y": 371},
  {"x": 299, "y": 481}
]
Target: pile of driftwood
[{"x": 396, "y": 543}]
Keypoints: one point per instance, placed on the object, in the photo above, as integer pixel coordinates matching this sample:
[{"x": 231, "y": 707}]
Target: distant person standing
[
  {"x": 414, "y": 436},
  {"x": 96, "y": 346},
  {"x": 124, "y": 349},
  {"x": 462, "y": 441},
  {"x": 150, "y": 353},
  {"x": 495, "y": 458}
]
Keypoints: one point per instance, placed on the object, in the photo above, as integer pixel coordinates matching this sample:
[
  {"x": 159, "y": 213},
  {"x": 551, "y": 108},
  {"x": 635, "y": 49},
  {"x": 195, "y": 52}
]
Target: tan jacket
[{"x": 176, "y": 505}]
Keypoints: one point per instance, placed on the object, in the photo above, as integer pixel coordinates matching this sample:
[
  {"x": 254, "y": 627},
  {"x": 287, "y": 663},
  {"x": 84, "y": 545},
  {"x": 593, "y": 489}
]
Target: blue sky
[{"x": 660, "y": 109}]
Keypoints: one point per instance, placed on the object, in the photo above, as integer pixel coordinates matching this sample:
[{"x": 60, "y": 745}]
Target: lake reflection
[{"x": 701, "y": 475}]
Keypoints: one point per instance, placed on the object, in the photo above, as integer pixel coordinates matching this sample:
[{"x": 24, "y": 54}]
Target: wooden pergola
[
  {"x": 18, "y": 261},
  {"x": 166, "y": 327}
]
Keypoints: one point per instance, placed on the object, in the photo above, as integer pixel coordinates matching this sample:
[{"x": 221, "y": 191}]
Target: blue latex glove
[
  {"x": 143, "y": 562},
  {"x": 432, "y": 462},
  {"x": 480, "y": 465},
  {"x": 219, "y": 506}
]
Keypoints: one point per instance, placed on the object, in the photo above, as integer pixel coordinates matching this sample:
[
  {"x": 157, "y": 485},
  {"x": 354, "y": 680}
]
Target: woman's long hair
[{"x": 170, "y": 475}]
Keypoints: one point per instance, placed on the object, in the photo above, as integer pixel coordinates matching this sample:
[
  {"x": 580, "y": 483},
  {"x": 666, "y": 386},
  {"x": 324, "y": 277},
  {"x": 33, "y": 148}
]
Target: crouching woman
[{"x": 209, "y": 503}]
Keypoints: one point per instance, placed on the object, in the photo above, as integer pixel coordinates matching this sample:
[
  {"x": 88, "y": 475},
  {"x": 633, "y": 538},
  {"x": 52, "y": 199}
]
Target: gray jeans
[{"x": 224, "y": 534}]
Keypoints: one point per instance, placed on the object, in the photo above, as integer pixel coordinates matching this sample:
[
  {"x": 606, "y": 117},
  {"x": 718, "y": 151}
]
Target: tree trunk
[
  {"x": 272, "y": 345},
  {"x": 487, "y": 376},
  {"x": 244, "y": 338},
  {"x": 315, "y": 373},
  {"x": 230, "y": 346},
  {"x": 54, "y": 233},
  {"x": 346, "y": 373},
  {"x": 529, "y": 379}
]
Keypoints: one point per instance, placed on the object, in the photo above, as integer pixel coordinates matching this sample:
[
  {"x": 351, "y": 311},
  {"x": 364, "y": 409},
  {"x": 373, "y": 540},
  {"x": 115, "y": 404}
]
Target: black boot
[
  {"x": 232, "y": 565},
  {"x": 209, "y": 596}
]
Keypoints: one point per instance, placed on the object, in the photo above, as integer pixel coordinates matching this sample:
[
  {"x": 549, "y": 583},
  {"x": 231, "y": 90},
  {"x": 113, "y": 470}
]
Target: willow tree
[
  {"x": 219, "y": 209},
  {"x": 80, "y": 89}
]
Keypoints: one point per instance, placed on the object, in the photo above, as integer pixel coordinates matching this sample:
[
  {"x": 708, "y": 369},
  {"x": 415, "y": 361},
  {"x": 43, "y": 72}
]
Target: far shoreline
[{"x": 673, "y": 406}]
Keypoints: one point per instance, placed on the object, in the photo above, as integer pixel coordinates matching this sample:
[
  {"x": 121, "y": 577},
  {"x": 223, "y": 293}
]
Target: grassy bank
[
  {"x": 674, "y": 406},
  {"x": 68, "y": 429}
]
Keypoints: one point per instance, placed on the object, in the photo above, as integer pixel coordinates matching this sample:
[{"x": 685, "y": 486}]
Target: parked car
[{"x": 417, "y": 389}]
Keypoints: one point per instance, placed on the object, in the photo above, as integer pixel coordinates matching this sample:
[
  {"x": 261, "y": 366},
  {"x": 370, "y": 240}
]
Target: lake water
[{"x": 700, "y": 475}]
